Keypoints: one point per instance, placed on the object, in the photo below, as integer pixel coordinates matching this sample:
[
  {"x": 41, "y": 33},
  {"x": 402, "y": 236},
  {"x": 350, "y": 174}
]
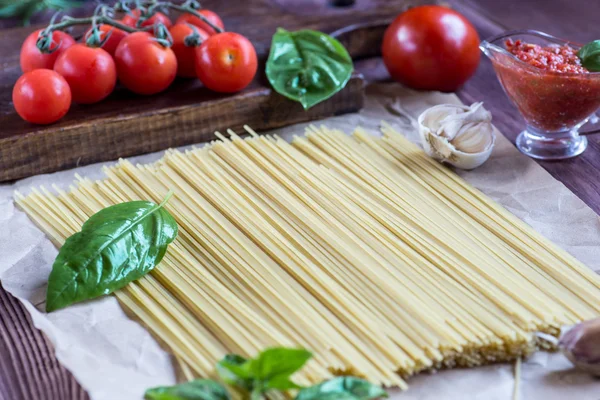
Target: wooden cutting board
[{"x": 126, "y": 124}]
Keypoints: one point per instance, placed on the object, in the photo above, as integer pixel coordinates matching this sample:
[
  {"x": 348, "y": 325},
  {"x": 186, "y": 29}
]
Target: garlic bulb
[
  {"x": 460, "y": 135},
  {"x": 581, "y": 345}
]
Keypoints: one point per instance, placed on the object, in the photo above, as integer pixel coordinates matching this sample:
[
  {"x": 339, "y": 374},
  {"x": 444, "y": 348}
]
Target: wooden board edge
[{"x": 75, "y": 146}]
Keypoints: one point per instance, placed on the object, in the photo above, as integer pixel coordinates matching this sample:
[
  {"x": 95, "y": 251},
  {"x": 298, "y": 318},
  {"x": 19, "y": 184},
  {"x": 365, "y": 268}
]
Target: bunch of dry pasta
[{"x": 361, "y": 249}]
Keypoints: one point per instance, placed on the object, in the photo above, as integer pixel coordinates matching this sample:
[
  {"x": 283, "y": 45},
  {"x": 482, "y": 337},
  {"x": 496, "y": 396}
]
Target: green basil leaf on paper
[
  {"x": 270, "y": 370},
  {"x": 307, "y": 66},
  {"x": 115, "y": 246},
  {"x": 233, "y": 369},
  {"x": 281, "y": 382},
  {"x": 278, "y": 363},
  {"x": 342, "y": 388},
  {"x": 199, "y": 389},
  {"x": 590, "y": 56}
]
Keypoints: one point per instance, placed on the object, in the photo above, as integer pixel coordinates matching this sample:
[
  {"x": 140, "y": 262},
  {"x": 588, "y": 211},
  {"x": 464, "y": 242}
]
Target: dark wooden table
[{"x": 28, "y": 368}]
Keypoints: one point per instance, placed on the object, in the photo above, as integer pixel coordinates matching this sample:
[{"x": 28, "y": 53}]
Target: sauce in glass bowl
[
  {"x": 544, "y": 78},
  {"x": 557, "y": 93}
]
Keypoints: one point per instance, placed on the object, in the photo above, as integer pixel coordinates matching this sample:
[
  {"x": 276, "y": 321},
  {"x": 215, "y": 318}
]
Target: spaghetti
[{"x": 378, "y": 259}]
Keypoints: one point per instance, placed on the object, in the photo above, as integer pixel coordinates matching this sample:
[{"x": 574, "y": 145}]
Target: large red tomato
[
  {"x": 431, "y": 48},
  {"x": 131, "y": 19},
  {"x": 41, "y": 96},
  {"x": 90, "y": 73},
  {"x": 209, "y": 15},
  {"x": 186, "y": 55},
  {"x": 226, "y": 62},
  {"x": 32, "y": 58},
  {"x": 144, "y": 66}
]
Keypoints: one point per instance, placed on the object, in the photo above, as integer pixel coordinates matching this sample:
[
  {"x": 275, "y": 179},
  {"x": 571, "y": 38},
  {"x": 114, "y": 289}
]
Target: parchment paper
[{"x": 114, "y": 358}]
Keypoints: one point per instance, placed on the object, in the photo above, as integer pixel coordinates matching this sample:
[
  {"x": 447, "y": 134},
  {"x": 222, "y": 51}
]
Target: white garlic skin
[
  {"x": 460, "y": 135},
  {"x": 581, "y": 345}
]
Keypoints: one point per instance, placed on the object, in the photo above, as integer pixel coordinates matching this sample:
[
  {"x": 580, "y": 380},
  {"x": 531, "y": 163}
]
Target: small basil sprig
[
  {"x": 307, "y": 66},
  {"x": 342, "y": 388},
  {"x": 199, "y": 389},
  {"x": 270, "y": 370},
  {"x": 25, "y": 9},
  {"x": 590, "y": 56},
  {"x": 117, "y": 245}
]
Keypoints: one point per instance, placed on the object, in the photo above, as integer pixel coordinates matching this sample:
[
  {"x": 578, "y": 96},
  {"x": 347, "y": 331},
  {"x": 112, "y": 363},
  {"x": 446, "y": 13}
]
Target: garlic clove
[
  {"x": 474, "y": 137},
  {"x": 437, "y": 146},
  {"x": 460, "y": 135},
  {"x": 581, "y": 345},
  {"x": 434, "y": 116}
]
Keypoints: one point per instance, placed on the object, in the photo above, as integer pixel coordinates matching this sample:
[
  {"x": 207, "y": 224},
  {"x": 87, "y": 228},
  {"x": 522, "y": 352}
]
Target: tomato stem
[
  {"x": 44, "y": 40},
  {"x": 189, "y": 7},
  {"x": 103, "y": 15}
]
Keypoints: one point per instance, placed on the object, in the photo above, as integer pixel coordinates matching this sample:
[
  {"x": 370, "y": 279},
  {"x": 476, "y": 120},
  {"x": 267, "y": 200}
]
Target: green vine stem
[
  {"x": 103, "y": 16},
  {"x": 44, "y": 41},
  {"x": 190, "y": 7},
  {"x": 68, "y": 22}
]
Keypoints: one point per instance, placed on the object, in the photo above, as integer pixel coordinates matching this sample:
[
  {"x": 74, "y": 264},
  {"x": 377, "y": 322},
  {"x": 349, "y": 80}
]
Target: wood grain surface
[
  {"x": 28, "y": 368},
  {"x": 126, "y": 124}
]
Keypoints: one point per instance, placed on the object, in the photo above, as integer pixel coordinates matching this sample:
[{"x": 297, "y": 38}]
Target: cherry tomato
[
  {"x": 186, "y": 55},
  {"x": 226, "y": 62},
  {"x": 144, "y": 66},
  {"x": 211, "y": 16},
  {"x": 432, "y": 48},
  {"x": 32, "y": 58},
  {"x": 131, "y": 19},
  {"x": 116, "y": 35},
  {"x": 90, "y": 73},
  {"x": 41, "y": 96}
]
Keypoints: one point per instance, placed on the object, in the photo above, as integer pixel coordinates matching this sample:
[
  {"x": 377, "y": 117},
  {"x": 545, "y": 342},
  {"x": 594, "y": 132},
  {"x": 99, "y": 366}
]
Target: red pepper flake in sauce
[{"x": 551, "y": 58}]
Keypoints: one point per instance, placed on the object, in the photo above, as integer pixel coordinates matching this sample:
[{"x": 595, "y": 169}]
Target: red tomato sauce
[
  {"x": 551, "y": 58},
  {"x": 557, "y": 94}
]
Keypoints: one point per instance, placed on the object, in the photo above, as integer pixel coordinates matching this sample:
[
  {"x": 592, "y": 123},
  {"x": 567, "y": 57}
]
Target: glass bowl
[{"x": 554, "y": 104}]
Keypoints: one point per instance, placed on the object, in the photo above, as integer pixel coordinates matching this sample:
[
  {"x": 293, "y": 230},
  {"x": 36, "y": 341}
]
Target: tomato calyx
[
  {"x": 194, "y": 39},
  {"x": 162, "y": 35},
  {"x": 94, "y": 37},
  {"x": 44, "y": 43}
]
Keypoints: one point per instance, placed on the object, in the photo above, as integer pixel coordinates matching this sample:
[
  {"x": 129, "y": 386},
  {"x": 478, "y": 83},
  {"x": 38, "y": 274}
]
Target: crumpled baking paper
[{"x": 114, "y": 358}]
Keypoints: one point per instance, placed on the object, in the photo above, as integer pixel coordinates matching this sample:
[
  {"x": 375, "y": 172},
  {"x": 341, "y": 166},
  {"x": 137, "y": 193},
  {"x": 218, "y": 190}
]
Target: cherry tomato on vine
[
  {"x": 226, "y": 62},
  {"x": 211, "y": 16},
  {"x": 144, "y": 66},
  {"x": 131, "y": 19},
  {"x": 186, "y": 55},
  {"x": 32, "y": 58},
  {"x": 90, "y": 73},
  {"x": 41, "y": 96},
  {"x": 432, "y": 48},
  {"x": 116, "y": 35}
]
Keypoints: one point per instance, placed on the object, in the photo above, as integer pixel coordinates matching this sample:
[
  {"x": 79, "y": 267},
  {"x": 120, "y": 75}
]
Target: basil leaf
[
  {"x": 117, "y": 245},
  {"x": 281, "y": 382},
  {"x": 231, "y": 369},
  {"x": 26, "y": 8},
  {"x": 271, "y": 369},
  {"x": 307, "y": 66},
  {"x": 278, "y": 363},
  {"x": 199, "y": 389},
  {"x": 345, "y": 387},
  {"x": 590, "y": 56}
]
